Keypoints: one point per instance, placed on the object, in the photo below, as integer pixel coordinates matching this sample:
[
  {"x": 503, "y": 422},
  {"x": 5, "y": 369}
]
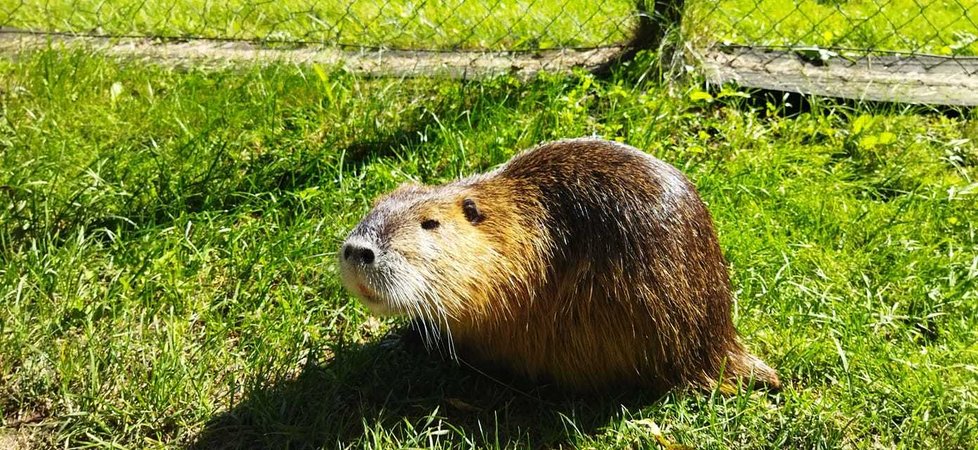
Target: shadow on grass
[{"x": 395, "y": 392}]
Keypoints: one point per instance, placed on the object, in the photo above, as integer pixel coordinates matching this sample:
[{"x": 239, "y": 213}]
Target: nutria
[{"x": 583, "y": 261}]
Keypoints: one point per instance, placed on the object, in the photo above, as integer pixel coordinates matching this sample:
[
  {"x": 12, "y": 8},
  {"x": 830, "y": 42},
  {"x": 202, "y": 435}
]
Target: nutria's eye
[
  {"x": 430, "y": 224},
  {"x": 471, "y": 211}
]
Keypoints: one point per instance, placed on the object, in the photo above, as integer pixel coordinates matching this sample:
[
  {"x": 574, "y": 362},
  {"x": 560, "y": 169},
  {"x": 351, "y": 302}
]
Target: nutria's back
[{"x": 583, "y": 261}]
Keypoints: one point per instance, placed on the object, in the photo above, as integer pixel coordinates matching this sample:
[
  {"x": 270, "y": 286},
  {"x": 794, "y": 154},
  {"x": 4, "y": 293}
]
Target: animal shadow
[{"x": 395, "y": 390}]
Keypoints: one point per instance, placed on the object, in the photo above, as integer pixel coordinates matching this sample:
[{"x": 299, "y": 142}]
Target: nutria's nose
[{"x": 358, "y": 253}]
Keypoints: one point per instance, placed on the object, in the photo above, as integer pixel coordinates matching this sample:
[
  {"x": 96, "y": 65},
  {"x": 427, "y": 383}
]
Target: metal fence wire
[
  {"x": 935, "y": 27},
  {"x": 429, "y": 25},
  {"x": 732, "y": 40},
  {"x": 916, "y": 51}
]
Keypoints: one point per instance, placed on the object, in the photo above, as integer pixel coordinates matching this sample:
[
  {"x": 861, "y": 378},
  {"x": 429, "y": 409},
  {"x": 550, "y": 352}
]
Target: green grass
[
  {"x": 433, "y": 24},
  {"x": 167, "y": 273},
  {"x": 932, "y": 26}
]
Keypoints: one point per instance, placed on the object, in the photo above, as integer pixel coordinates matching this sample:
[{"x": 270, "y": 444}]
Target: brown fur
[{"x": 591, "y": 264}]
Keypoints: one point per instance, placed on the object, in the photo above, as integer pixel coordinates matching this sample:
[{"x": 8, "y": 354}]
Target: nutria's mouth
[
  {"x": 368, "y": 295},
  {"x": 374, "y": 301},
  {"x": 366, "y": 292},
  {"x": 372, "y": 287}
]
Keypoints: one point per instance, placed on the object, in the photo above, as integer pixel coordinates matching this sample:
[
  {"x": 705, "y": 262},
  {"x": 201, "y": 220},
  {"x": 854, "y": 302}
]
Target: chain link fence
[
  {"x": 916, "y": 51},
  {"x": 423, "y": 25},
  {"x": 934, "y": 27},
  {"x": 747, "y": 41},
  {"x": 388, "y": 37}
]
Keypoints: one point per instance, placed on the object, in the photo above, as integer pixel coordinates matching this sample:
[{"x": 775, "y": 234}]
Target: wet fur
[{"x": 593, "y": 265}]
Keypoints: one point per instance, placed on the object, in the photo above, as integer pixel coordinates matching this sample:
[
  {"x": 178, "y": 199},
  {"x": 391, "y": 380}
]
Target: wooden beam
[
  {"x": 917, "y": 79},
  {"x": 367, "y": 61}
]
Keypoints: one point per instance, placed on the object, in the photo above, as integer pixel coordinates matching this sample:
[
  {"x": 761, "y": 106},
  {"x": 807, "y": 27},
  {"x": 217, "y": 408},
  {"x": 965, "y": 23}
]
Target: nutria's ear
[{"x": 471, "y": 211}]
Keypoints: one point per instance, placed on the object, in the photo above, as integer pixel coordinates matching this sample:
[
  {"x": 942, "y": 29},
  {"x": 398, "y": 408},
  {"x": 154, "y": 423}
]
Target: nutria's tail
[{"x": 744, "y": 368}]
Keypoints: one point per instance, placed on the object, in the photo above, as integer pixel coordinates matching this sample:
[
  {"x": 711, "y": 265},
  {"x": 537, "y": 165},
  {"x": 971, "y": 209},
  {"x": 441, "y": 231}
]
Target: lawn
[{"x": 168, "y": 275}]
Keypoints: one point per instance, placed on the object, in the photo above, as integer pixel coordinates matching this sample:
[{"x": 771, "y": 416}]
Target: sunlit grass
[
  {"x": 436, "y": 24},
  {"x": 935, "y": 27},
  {"x": 167, "y": 268}
]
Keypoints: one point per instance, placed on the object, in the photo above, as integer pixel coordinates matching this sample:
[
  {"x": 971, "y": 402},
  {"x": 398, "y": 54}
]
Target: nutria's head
[
  {"x": 419, "y": 251},
  {"x": 446, "y": 254}
]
